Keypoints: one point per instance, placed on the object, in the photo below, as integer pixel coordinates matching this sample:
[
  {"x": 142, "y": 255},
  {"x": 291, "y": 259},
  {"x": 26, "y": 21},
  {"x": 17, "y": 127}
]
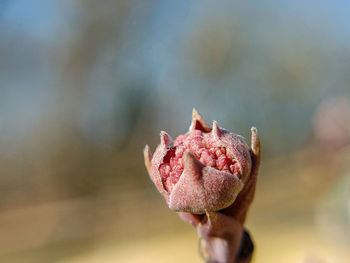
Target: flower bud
[{"x": 201, "y": 171}]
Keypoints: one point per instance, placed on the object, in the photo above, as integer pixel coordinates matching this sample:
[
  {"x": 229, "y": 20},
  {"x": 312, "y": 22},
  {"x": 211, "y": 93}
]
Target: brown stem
[{"x": 222, "y": 236}]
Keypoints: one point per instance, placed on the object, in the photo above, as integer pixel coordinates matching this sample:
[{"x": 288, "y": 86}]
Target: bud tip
[
  {"x": 198, "y": 122},
  {"x": 216, "y": 132},
  {"x": 147, "y": 156},
  {"x": 164, "y": 138},
  {"x": 191, "y": 163}
]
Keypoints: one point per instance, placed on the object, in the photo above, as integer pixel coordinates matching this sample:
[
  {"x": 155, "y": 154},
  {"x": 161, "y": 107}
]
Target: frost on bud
[{"x": 201, "y": 171}]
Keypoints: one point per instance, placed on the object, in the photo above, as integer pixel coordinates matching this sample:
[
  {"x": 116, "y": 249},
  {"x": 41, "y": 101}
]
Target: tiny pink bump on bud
[{"x": 200, "y": 171}]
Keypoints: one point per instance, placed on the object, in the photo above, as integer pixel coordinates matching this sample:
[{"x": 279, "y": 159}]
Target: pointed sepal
[{"x": 198, "y": 123}]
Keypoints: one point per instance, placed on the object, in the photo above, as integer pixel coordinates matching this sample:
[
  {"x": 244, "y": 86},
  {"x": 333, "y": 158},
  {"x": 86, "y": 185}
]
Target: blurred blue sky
[{"x": 267, "y": 64}]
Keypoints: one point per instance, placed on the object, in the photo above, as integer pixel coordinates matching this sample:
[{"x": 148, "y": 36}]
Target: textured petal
[
  {"x": 237, "y": 147},
  {"x": 202, "y": 188},
  {"x": 158, "y": 156}
]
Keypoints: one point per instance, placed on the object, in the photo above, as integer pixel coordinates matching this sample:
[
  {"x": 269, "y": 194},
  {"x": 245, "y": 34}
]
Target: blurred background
[{"x": 84, "y": 85}]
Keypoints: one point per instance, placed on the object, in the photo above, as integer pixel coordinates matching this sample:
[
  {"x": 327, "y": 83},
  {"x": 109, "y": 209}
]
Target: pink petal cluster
[{"x": 202, "y": 170}]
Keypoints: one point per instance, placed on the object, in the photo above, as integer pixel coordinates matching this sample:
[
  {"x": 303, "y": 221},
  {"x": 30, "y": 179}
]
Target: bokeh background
[{"x": 84, "y": 85}]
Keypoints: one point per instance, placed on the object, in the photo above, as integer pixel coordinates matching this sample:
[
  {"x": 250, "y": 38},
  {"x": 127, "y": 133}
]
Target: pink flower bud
[{"x": 202, "y": 170}]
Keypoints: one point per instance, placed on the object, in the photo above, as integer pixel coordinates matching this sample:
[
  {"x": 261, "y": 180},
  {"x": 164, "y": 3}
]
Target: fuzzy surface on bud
[{"x": 200, "y": 171}]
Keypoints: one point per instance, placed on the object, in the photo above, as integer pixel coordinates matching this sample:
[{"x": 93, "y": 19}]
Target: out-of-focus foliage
[{"x": 84, "y": 85}]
